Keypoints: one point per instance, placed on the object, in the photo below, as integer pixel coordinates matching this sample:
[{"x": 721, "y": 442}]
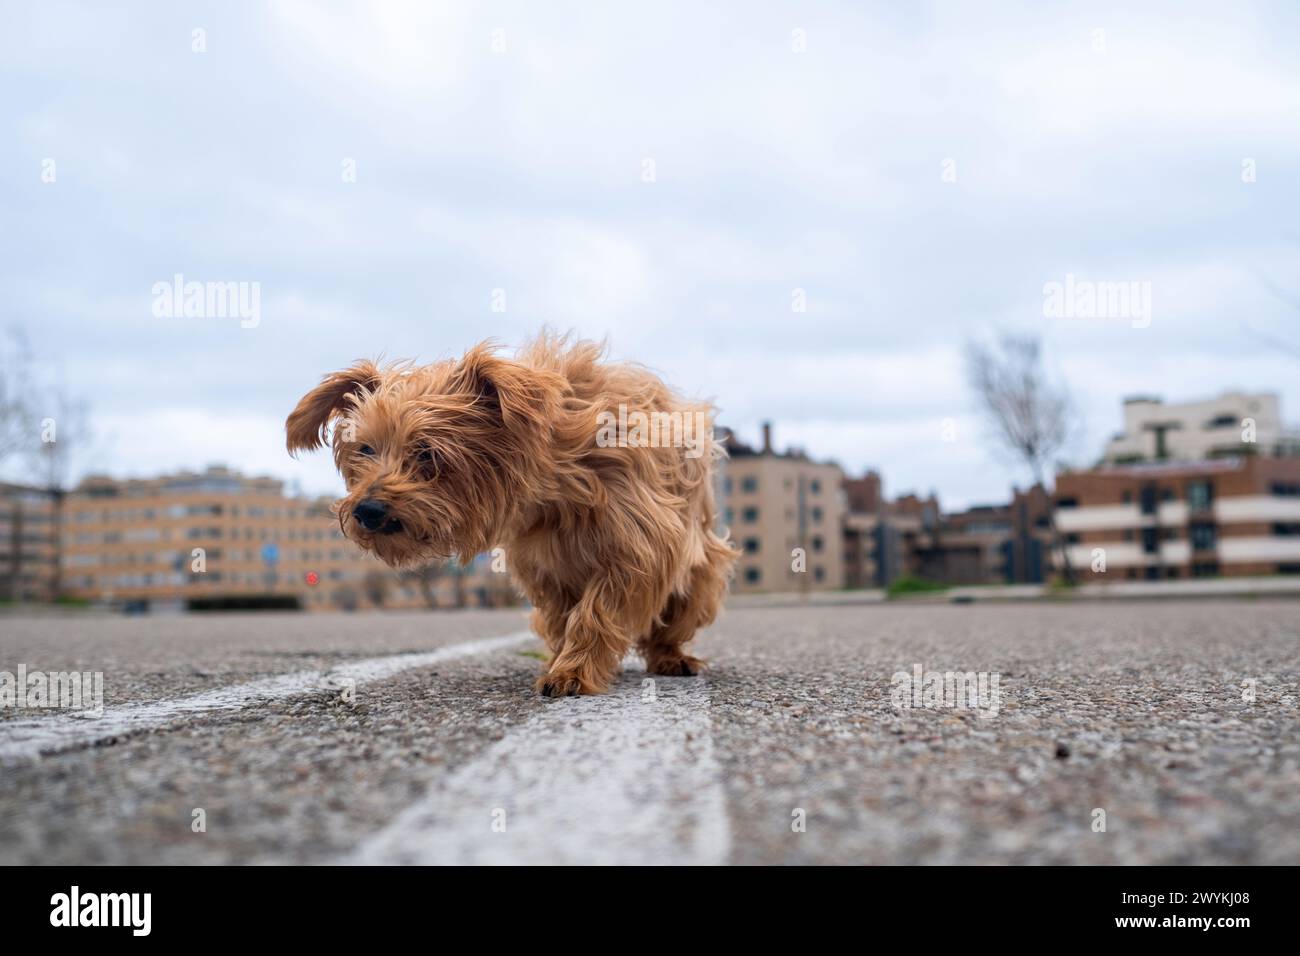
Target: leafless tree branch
[{"x": 1030, "y": 414}]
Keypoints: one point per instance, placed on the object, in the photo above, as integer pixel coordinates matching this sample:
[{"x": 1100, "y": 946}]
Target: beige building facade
[
  {"x": 785, "y": 513},
  {"x": 1233, "y": 424},
  {"x": 219, "y": 539}
]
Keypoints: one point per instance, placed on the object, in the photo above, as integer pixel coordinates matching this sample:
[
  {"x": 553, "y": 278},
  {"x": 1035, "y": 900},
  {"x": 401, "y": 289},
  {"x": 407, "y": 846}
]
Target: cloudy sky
[{"x": 919, "y": 171}]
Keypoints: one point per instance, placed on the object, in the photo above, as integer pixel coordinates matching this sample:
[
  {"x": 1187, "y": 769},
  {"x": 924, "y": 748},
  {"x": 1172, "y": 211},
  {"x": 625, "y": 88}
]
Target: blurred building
[
  {"x": 786, "y": 514},
  {"x": 853, "y": 536},
  {"x": 986, "y": 544},
  {"x": 864, "y": 559},
  {"x": 220, "y": 539},
  {"x": 1154, "y": 520},
  {"x": 29, "y": 535},
  {"x": 1234, "y": 424},
  {"x": 1198, "y": 489},
  {"x": 991, "y": 544},
  {"x": 881, "y": 537}
]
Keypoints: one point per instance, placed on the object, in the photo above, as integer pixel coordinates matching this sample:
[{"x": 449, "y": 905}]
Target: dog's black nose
[{"x": 371, "y": 514}]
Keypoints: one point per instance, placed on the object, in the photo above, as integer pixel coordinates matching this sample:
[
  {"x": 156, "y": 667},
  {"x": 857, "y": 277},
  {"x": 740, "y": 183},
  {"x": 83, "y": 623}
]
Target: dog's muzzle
[{"x": 373, "y": 516}]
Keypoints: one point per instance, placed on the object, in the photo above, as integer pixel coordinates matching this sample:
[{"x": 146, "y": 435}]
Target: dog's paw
[
  {"x": 683, "y": 666},
  {"x": 559, "y": 685}
]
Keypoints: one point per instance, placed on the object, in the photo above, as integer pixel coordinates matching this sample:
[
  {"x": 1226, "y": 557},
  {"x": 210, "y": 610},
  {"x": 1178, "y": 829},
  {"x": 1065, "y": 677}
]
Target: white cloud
[{"x": 776, "y": 171}]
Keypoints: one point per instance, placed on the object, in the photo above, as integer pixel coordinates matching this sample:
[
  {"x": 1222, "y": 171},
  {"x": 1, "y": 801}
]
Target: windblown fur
[{"x": 614, "y": 546}]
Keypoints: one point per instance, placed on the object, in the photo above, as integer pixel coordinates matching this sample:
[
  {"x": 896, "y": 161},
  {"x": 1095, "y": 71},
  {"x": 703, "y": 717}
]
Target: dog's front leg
[{"x": 595, "y": 642}]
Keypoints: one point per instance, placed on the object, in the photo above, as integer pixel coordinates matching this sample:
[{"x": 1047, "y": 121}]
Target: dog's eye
[
  {"x": 428, "y": 460},
  {"x": 367, "y": 451}
]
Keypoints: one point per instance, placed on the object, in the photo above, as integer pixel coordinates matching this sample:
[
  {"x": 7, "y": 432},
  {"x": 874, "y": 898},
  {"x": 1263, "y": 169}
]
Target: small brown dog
[{"x": 562, "y": 458}]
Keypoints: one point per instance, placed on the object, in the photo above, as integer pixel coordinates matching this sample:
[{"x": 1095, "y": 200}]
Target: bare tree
[
  {"x": 15, "y": 433},
  {"x": 376, "y": 584},
  {"x": 43, "y": 427},
  {"x": 17, "y": 418},
  {"x": 345, "y": 598},
  {"x": 61, "y": 431},
  {"x": 426, "y": 580},
  {"x": 499, "y": 591},
  {"x": 458, "y": 574},
  {"x": 1030, "y": 414},
  {"x": 1287, "y": 298},
  {"x": 428, "y": 577}
]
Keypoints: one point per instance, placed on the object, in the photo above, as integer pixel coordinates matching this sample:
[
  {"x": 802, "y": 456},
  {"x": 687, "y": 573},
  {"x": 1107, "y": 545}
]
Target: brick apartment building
[
  {"x": 986, "y": 544},
  {"x": 194, "y": 539},
  {"x": 992, "y": 544},
  {"x": 776, "y": 503},
  {"x": 880, "y": 536},
  {"x": 1178, "y": 519},
  {"x": 866, "y": 558}
]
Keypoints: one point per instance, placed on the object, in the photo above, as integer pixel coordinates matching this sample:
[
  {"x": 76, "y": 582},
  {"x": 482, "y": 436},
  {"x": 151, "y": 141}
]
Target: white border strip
[{"x": 610, "y": 779}]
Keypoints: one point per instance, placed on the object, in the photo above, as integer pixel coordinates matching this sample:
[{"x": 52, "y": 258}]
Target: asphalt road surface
[{"x": 417, "y": 738}]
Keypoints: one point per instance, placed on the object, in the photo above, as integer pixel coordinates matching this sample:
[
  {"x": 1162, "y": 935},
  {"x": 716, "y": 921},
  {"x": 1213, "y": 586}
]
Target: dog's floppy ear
[
  {"x": 306, "y": 425},
  {"x": 522, "y": 397}
]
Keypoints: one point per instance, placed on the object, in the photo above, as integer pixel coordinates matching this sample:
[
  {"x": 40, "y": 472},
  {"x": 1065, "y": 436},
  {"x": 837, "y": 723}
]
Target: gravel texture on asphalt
[
  {"x": 151, "y": 657},
  {"x": 1135, "y": 709}
]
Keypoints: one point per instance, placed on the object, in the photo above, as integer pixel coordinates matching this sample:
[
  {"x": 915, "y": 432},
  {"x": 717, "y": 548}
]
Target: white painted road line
[
  {"x": 587, "y": 780},
  {"x": 29, "y": 739}
]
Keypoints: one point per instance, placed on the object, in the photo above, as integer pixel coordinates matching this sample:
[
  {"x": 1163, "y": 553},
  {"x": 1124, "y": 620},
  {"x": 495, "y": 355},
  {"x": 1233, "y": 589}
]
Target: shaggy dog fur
[{"x": 614, "y": 546}]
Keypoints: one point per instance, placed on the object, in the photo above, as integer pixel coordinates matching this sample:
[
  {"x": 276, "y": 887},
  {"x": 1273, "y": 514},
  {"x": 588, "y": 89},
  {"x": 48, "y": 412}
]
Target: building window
[
  {"x": 817, "y": 515},
  {"x": 1285, "y": 489},
  {"x": 817, "y": 542},
  {"x": 1200, "y": 495},
  {"x": 1128, "y": 534},
  {"x": 749, "y": 483},
  {"x": 1150, "y": 540},
  {"x": 1207, "y": 569},
  {"x": 1287, "y": 528},
  {"x": 751, "y": 546},
  {"x": 1066, "y": 503},
  {"x": 1148, "y": 499},
  {"x": 816, "y": 486},
  {"x": 1202, "y": 536},
  {"x": 752, "y": 575},
  {"x": 749, "y": 515},
  {"x": 819, "y": 573},
  {"x": 1126, "y": 497},
  {"x": 726, "y": 485}
]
